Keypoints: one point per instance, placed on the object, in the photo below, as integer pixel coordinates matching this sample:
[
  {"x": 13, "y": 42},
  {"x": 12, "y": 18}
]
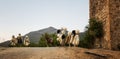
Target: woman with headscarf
[
  {"x": 76, "y": 38},
  {"x": 26, "y": 41},
  {"x": 13, "y": 41}
]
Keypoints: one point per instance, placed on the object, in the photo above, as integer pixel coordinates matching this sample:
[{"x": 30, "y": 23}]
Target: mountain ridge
[{"x": 35, "y": 35}]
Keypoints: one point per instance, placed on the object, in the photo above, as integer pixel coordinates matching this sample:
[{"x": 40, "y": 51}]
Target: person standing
[
  {"x": 13, "y": 41},
  {"x": 26, "y": 41},
  {"x": 19, "y": 39}
]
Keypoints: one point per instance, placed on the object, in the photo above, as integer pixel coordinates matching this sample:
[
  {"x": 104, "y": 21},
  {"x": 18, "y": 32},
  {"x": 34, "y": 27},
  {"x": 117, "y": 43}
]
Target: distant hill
[
  {"x": 35, "y": 35},
  {"x": 5, "y": 44}
]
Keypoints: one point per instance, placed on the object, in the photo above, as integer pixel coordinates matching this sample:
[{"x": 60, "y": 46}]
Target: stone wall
[
  {"x": 114, "y": 23},
  {"x": 99, "y": 9},
  {"x": 107, "y": 11}
]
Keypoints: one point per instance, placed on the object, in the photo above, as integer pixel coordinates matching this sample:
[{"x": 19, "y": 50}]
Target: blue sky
[{"x": 23, "y": 16}]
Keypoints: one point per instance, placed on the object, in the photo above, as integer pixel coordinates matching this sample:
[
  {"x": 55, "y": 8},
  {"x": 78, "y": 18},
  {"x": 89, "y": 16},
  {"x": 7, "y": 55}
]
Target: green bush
[
  {"x": 44, "y": 40},
  {"x": 93, "y": 30},
  {"x": 96, "y": 28},
  {"x": 88, "y": 41},
  {"x": 55, "y": 42}
]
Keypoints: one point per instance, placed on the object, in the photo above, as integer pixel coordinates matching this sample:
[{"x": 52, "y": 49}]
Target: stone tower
[{"x": 108, "y": 11}]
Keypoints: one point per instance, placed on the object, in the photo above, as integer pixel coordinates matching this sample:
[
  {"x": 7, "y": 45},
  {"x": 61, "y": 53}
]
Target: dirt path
[{"x": 57, "y": 53}]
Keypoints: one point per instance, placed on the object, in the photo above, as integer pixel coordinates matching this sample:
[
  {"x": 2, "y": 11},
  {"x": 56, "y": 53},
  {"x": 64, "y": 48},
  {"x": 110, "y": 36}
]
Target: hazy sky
[{"x": 23, "y": 16}]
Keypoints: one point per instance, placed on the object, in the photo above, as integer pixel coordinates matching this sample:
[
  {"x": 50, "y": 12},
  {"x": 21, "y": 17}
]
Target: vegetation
[
  {"x": 48, "y": 40},
  {"x": 93, "y": 30}
]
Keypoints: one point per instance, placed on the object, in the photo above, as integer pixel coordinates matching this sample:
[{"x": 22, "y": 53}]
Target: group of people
[
  {"x": 70, "y": 38},
  {"x": 63, "y": 37},
  {"x": 19, "y": 40}
]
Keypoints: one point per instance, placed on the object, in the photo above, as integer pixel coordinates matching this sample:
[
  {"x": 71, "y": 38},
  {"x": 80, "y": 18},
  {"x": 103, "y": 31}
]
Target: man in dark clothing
[{"x": 19, "y": 38}]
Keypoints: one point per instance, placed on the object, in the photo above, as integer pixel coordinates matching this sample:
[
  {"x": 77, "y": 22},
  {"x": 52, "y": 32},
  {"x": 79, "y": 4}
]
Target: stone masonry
[{"x": 107, "y": 11}]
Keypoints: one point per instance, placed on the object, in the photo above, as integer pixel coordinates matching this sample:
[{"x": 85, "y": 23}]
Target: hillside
[
  {"x": 35, "y": 35},
  {"x": 5, "y": 44}
]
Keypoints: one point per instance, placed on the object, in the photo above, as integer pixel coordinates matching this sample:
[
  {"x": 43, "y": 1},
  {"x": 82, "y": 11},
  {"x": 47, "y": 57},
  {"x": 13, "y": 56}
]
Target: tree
[
  {"x": 43, "y": 42},
  {"x": 48, "y": 40},
  {"x": 96, "y": 28},
  {"x": 93, "y": 30}
]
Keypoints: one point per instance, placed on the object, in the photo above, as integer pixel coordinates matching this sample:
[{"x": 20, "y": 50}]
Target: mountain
[
  {"x": 5, "y": 44},
  {"x": 35, "y": 35}
]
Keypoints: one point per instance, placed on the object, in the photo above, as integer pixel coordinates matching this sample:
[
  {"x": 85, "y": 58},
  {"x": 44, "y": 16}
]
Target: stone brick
[{"x": 107, "y": 11}]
